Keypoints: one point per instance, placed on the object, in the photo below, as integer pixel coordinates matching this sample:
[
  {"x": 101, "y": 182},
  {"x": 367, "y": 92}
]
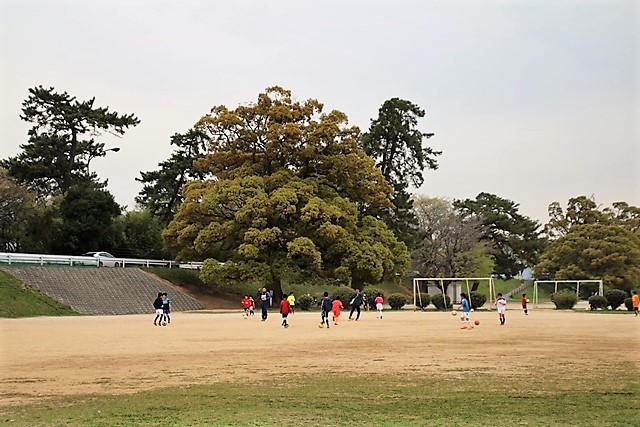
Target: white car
[{"x": 106, "y": 259}]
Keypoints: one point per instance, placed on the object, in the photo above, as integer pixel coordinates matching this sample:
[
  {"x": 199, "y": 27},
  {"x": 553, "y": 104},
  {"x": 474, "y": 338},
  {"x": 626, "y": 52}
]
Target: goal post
[
  {"x": 555, "y": 286},
  {"x": 417, "y": 299}
]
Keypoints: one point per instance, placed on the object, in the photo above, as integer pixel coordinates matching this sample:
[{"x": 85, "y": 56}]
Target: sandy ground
[{"x": 47, "y": 357}]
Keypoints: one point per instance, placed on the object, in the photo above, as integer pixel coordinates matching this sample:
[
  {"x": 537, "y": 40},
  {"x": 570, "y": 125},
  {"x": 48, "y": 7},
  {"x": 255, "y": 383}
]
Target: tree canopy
[
  {"x": 162, "y": 191},
  {"x": 285, "y": 186},
  {"x": 593, "y": 242},
  {"x": 514, "y": 239},
  {"x": 62, "y": 140},
  {"x": 396, "y": 145},
  {"x": 595, "y": 251},
  {"x": 450, "y": 239}
]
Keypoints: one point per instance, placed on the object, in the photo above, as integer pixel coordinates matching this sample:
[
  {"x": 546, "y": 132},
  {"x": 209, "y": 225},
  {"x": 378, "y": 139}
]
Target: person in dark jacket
[
  {"x": 264, "y": 297},
  {"x": 356, "y": 302},
  {"x": 326, "y": 307},
  {"x": 157, "y": 305}
]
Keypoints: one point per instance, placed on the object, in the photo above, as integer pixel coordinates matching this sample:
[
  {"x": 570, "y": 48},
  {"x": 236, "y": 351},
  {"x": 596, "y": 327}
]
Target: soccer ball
[
  {"x": 477, "y": 322},
  {"x": 472, "y": 310},
  {"x": 164, "y": 323},
  {"x": 244, "y": 316},
  {"x": 527, "y": 299},
  {"x": 320, "y": 325},
  {"x": 453, "y": 313}
]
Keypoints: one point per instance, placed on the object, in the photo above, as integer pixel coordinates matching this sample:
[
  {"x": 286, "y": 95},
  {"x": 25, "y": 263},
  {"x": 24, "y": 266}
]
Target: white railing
[
  {"x": 19, "y": 258},
  {"x": 41, "y": 259}
]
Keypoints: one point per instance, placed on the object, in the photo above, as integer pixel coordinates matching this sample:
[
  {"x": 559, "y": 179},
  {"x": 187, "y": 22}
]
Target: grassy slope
[
  {"x": 326, "y": 399},
  {"x": 19, "y": 300}
]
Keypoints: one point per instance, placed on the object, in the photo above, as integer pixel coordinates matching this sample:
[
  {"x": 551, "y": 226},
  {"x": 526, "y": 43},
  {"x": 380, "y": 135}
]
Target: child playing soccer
[
  {"x": 157, "y": 305},
  {"x": 292, "y": 302},
  {"x": 525, "y": 301},
  {"x": 501, "y": 305},
  {"x": 166, "y": 309},
  {"x": 635, "y": 301},
  {"x": 326, "y": 307},
  {"x": 285, "y": 309},
  {"x": 379, "y": 301},
  {"x": 336, "y": 306},
  {"x": 464, "y": 307},
  {"x": 246, "y": 305},
  {"x": 252, "y": 307}
]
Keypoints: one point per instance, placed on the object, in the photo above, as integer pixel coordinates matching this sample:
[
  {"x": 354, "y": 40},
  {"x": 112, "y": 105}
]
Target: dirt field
[{"x": 47, "y": 357}]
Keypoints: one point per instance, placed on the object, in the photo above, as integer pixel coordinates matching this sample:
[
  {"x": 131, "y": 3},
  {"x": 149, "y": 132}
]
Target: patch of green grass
[
  {"x": 180, "y": 276},
  {"x": 20, "y": 300},
  {"x": 327, "y": 399}
]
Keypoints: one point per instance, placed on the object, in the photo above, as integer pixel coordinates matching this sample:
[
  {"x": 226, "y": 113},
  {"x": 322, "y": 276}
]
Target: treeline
[{"x": 280, "y": 190}]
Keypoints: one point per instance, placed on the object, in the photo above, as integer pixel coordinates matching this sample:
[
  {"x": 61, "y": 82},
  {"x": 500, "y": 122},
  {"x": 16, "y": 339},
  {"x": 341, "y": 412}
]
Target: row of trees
[{"x": 281, "y": 190}]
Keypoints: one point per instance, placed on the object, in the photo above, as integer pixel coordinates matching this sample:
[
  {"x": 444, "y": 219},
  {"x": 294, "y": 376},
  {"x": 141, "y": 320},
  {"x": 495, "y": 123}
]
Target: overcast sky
[{"x": 535, "y": 101}]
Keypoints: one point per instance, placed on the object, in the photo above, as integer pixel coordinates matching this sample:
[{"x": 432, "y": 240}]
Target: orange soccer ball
[{"x": 477, "y": 322}]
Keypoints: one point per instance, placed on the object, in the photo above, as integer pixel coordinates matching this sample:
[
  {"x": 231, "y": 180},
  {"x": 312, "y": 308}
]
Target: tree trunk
[
  {"x": 66, "y": 182},
  {"x": 276, "y": 287}
]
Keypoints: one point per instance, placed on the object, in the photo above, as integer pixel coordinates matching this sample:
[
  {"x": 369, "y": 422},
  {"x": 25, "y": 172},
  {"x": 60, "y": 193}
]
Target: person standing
[
  {"x": 356, "y": 302},
  {"x": 246, "y": 305},
  {"x": 464, "y": 306},
  {"x": 166, "y": 309},
  {"x": 157, "y": 305},
  {"x": 379, "y": 301},
  {"x": 264, "y": 299},
  {"x": 635, "y": 301},
  {"x": 524, "y": 302},
  {"x": 285, "y": 309},
  {"x": 325, "y": 307},
  {"x": 292, "y": 302},
  {"x": 501, "y": 305}
]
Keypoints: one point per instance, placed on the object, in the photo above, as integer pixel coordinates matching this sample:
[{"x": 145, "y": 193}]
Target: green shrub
[
  {"x": 615, "y": 297},
  {"x": 629, "y": 304},
  {"x": 565, "y": 299},
  {"x": 304, "y": 302},
  {"x": 424, "y": 300},
  {"x": 477, "y": 299},
  {"x": 397, "y": 301},
  {"x": 598, "y": 301},
  {"x": 440, "y": 303}
]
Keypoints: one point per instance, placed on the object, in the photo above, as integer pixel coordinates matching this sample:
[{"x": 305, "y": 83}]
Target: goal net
[
  {"x": 583, "y": 288},
  {"x": 454, "y": 285}
]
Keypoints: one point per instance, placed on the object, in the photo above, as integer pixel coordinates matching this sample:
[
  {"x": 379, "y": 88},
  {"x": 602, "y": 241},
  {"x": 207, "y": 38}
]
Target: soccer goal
[
  {"x": 552, "y": 286},
  {"x": 436, "y": 284}
]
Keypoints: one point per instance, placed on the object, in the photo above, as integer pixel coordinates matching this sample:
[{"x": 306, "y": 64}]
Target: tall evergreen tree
[
  {"x": 396, "y": 145},
  {"x": 62, "y": 140},
  {"x": 514, "y": 238}
]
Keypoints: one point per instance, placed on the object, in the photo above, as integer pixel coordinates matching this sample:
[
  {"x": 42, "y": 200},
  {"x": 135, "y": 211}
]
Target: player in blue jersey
[{"x": 465, "y": 308}]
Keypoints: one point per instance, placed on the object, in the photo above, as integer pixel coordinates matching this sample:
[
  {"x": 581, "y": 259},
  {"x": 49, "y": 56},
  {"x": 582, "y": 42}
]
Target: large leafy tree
[
  {"x": 88, "y": 216},
  {"x": 286, "y": 187},
  {"x": 450, "y": 244},
  {"x": 514, "y": 239},
  {"x": 28, "y": 223},
  {"x": 162, "y": 191},
  {"x": 593, "y": 242},
  {"x": 580, "y": 210},
  {"x": 62, "y": 140},
  {"x": 397, "y": 146},
  {"x": 595, "y": 251},
  {"x": 141, "y": 235}
]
